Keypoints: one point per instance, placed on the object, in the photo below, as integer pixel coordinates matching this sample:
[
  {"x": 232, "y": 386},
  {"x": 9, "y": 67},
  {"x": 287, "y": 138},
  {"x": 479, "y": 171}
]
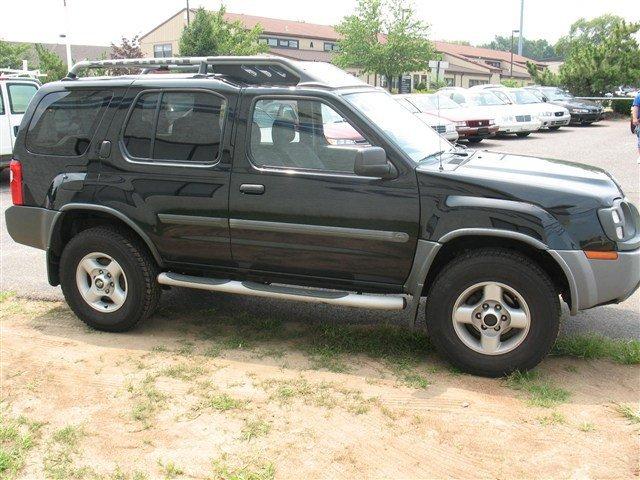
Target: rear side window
[
  {"x": 184, "y": 126},
  {"x": 1, "y": 104},
  {"x": 64, "y": 122},
  {"x": 20, "y": 94}
]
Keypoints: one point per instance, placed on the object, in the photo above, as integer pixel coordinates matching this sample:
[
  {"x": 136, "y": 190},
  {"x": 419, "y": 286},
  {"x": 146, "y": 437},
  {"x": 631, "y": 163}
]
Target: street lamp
[{"x": 512, "y": 32}]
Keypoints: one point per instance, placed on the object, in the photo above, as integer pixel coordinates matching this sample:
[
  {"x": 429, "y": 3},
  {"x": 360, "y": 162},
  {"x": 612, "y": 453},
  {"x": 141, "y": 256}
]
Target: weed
[
  {"x": 182, "y": 371},
  {"x": 587, "y": 427},
  {"x": 6, "y": 295},
  {"x": 169, "y": 469},
  {"x": 160, "y": 348},
  {"x": 541, "y": 393},
  {"x": 255, "y": 428},
  {"x": 59, "y": 457},
  {"x": 555, "y": 418},
  {"x": 186, "y": 348},
  {"x": 148, "y": 400},
  {"x": 223, "y": 470},
  {"x": 220, "y": 402},
  {"x": 17, "y": 437},
  {"x": 626, "y": 352},
  {"x": 628, "y": 412}
]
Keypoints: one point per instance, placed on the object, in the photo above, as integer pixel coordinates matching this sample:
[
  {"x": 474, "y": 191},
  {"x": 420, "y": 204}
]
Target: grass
[
  {"x": 170, "y": 470},
  {"x": 17, "y": 437},
  {"x": 182, "y": 371},
  {"x": 255, "y": 428},
  {"x": 593, "y": 346},
  {"x": 555, "y": 418},
  {"x": 148, "y": 400},
  {"x": 586, "y": 427},
  {"x": 221, "y": 402},
  {"x": 628, "y": 412},
  {"x": 6, "y": 295},
  {"x": 223, "y": 470},
  {"x": 541, "y": 392},
  {"x": 59, "y": 457}
]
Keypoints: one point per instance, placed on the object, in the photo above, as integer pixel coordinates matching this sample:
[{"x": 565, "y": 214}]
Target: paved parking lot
[{"x": 608, "y": 145}]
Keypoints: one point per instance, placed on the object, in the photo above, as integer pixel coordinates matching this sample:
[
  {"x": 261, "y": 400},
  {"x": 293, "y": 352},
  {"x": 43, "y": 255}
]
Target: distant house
[
  {"x": 297, "y": 40},
  {"x": 78, "y": 52}
]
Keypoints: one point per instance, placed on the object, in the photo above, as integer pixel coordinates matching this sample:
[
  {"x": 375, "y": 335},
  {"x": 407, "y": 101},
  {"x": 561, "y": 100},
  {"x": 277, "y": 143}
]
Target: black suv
[{"x": 224, "y": 179}]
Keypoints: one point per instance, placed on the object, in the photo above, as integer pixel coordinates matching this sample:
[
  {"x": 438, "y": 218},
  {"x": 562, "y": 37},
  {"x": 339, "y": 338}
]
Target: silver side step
[{"x": 378, "y": 302}]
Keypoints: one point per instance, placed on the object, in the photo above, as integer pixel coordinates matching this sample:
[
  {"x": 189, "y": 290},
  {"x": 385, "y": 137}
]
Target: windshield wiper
[{"x": 452, "y": 151}]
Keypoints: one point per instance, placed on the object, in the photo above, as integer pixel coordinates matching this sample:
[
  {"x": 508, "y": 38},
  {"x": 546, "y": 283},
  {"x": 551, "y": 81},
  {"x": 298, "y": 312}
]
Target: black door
[
  {"x": 297, "y": 209},
  {"x": 169, "y": 169}
]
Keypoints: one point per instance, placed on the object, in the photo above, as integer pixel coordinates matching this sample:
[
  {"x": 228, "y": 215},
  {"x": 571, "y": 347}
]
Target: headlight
[
  {"x": 450, "y": 127},
  {"x": 619, "y": 221},
  {"x": 546, "y": 114},
  {"x": 461, "y": 124}
]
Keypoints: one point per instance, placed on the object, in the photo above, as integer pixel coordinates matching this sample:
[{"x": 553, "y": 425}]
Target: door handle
[{"x": 252, "y": 189}]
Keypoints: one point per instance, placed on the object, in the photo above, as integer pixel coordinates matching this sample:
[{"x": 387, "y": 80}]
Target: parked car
[
  {"x": 469, "y": 125},
  {"x": 443, "y": 126},
  {"x": 15, "y": 94},
  {"x": 551, "y": 116},
  {"x": 584, "y": 112},
  {"x": 518, "y": 119},
  {"x": 163, "y": 181}
]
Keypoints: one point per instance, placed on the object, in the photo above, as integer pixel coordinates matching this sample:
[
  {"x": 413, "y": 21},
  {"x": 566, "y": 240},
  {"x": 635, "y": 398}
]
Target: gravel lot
[{"x": 608, "y": 145}]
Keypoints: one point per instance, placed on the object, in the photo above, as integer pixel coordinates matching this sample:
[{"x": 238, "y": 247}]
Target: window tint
[
  {"x": 302, "y": 134},
  {"x": 183, "y": 126},
  {"x": 64, "y": 122},
  {"x": 20, "y": 94},
  {"x": 1, "y": 104}
]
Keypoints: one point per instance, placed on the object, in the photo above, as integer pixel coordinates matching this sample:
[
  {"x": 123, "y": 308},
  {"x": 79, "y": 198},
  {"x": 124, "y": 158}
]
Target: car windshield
[
  {"x": 432, "y": 102},
  {"x": 481, "y": 99},
  {"x": 539, "y": 95},
  {"x": 556, "y": 94},
  {"x": 411, "y": 135},
  {"x": 523, "y": 97}
]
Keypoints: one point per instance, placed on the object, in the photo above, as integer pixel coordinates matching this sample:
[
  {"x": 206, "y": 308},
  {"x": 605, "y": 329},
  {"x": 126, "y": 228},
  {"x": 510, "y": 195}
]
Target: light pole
[
  {"x": 521, "y": 27},
  {"x": 66, "y": 34},
  {"x": 512, "y": 32},
  {"x": 188, "y": 14}
]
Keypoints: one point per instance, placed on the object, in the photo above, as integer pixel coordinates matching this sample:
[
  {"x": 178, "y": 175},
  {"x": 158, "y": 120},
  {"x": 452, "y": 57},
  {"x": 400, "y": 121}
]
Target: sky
[{"x": 100, "y": 22}]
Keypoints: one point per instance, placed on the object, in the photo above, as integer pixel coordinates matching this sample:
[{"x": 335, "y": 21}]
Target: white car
[
  {"x": 518, "y": 119},
  {"x": 551, "y": 116},
  {"x": 15, "y": 95},
  {"x": 444, "y": 127}
]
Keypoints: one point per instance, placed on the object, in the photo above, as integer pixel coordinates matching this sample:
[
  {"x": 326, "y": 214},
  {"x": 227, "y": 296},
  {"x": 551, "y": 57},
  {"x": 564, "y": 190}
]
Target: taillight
[{"x": 16, "y": 182}]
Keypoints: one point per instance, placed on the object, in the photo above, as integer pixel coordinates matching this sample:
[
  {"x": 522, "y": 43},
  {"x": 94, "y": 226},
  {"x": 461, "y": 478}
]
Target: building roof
[
  {"x": 478, "y": 52},
  {"x": 307, "y": 55}
]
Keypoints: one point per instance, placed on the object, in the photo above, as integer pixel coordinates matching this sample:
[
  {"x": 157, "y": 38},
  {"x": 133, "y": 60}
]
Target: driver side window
[{"x": 304, "y": 134}]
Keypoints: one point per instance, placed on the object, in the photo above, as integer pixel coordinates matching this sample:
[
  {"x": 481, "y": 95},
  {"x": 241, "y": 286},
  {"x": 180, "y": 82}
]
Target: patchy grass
[
  {"x": 17, "y": 437},
  {"x": 628, "y": 412},
  {"x": 224, "y": 470},
  {"x": 6, "y": 295},
  {"x": 541, "y": 393},
  {"x": 592, "y": 346},
  {"x": 169, "y": 470},
  {"x": 148, "y": 400},
  {"x": 586, "y": 427},
  {"x": 221, "y": 402},
  {"x": 555, "y": 418},
  {"x": 59, "y": 461},
  {"x": 183, "y": 371},
  {"x": 255, "y": 428}
]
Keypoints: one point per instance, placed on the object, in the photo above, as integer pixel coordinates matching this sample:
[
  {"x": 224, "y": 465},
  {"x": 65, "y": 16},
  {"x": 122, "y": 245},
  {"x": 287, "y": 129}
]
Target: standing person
[{"x": 635, "y": 118}]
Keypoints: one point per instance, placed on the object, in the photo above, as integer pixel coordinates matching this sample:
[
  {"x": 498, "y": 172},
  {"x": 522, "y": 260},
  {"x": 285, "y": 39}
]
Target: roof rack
[
  {"x": 14, "y": 73},
  {"x": 258, "y": 69}
]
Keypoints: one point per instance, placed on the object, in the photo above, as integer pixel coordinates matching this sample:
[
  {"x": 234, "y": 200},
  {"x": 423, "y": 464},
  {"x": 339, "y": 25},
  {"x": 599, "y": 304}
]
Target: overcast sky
[{"x": 99, "y": 22}]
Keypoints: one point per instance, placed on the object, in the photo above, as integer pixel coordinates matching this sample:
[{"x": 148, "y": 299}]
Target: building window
[
  {"x": 274, "y": 42},
  {"x": 331, "y": 47},
  {"x": 310, "y": 44},
  {"x": 493, "y": 64},
  {"x": 162, "y": 50},
  {"x": 473, "y": 82},
  {"x": 450, "y": 81}
]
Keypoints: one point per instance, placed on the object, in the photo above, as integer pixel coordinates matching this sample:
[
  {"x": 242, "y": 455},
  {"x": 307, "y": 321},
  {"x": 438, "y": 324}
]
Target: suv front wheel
[
  {"x": 109, "y": 279},
  {"x": 493, "y": 311}
]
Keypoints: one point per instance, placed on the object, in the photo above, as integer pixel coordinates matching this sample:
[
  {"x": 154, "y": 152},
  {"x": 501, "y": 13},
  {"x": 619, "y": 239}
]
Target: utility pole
[
  {"x": 521, "y": 27},
  {"x": 188, "y": 14},
  {"x": 511, "y": 50},
  {"x": 66, "y": 34}
]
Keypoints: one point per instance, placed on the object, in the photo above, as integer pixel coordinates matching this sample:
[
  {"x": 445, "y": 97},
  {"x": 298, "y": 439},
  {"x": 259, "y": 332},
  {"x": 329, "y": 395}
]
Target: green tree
[
  {"x": 210, "y": 34},
  {"x": 383, "y": 38},
  {"x": 601, "y": 54},
  {"x": 536, "y": 49},
  {"x": 542, "y": 77},
  {"x": 50, "y": 64},
  {"x": 12, "y": 54}
]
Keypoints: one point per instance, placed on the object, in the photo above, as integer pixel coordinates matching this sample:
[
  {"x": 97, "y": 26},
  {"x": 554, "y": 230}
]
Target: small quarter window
[
  {"x": 183, "y": 126},
  {"x": 64, "y": 122},
  {"x": 302, "y": 134},
  {"x": 20, "y": 94}
]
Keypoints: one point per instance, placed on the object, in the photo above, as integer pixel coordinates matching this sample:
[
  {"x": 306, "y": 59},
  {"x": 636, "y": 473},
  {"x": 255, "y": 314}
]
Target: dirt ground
[{"x": 202, "y": 395}]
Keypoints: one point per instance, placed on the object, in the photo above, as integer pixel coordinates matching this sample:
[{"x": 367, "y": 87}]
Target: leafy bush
[{"x": 622, "y": 107}]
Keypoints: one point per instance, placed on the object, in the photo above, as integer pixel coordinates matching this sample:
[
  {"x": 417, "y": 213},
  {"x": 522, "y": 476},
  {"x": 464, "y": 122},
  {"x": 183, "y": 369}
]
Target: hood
[
  {"x": 432, "y": 119},
  {"x": 554, "y": 185},
  {"x": 576, "y": 103},
  {"x": 464, "y": 114}
]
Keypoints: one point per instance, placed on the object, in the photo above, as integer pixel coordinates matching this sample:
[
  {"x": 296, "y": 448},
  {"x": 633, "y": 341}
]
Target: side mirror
[{"x": 372, "y": 162}]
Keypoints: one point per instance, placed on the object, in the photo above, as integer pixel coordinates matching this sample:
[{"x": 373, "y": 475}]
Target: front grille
[
  {"x": 478, "y": 123},
  {"x": 559, "y": 114},
  {"x": 523, "y": 118},
  {"x": 440, "y": 128}
]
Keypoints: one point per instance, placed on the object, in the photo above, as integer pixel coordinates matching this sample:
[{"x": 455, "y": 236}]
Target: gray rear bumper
[
  {"x": 30, "y": 225},
  {"x": 597, "y": 282}
]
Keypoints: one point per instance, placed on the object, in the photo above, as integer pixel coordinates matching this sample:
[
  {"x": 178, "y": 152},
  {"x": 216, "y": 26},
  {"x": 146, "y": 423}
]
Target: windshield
[
  {"x": 480, "y": 99},
  {"x": 410, "y": 134},
  {"x": 432, "y": 102},
  {"x": 539, "y": 95},
  {"x": 556, "y": 94},
  {"x": 523, "y": 97}
]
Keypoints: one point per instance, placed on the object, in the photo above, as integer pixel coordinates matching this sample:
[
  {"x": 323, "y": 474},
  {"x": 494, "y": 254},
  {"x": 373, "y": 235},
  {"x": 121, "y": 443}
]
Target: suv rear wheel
[
  {"x": 109, "y": 279},
  {"x": 493, "y": 311}
]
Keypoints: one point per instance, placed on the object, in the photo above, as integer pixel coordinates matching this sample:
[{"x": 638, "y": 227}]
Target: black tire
[
  {"x": 141, "y": 270},
  {"x": 514, "y": 270},
  {"x": 474, "y": 139},
  {"x": 585, "y": 124},
  {"x": 523, "y": 134},
  {"x": 554, "y": 128}
]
